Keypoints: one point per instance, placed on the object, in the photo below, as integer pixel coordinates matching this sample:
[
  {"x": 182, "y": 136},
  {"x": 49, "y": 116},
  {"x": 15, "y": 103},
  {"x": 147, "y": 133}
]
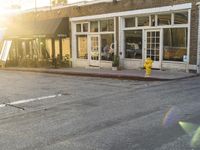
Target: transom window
[
  {"x": 78, "y": 27},
  {"x": 165, "y": 19},
  {"x": 82, "y": 27},
  {"x": 106, "y": 25},
  {"x": 94, "y": 26},
  {"x": 85, "y": 27},
  {"x": 181, "y": 18},
  {"x": 130, "y": 22},
  {"x": 143, "y": 21}
]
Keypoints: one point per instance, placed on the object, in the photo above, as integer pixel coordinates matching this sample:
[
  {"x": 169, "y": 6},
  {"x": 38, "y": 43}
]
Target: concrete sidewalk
[{"x": 157, "y": 75}]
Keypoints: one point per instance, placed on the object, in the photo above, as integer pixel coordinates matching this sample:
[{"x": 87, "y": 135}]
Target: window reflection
[
  {"x": 78, "y": 27},
  {"x": 82, "y": 46},
  {"x": 85, "y": 27},
  {"x": 107, "y": 25},
  {"x": 175, "y": 44},
  {"x": 181, "y": 18},
  {"x": 107, "y": 47},
  {"x": 143, "y": 21},
  {"x": 164, "y": 19},
  {"x": 130, "y": 22},
  {"x": 94, "y": 26},
  {"x": 133, "y": 44}
]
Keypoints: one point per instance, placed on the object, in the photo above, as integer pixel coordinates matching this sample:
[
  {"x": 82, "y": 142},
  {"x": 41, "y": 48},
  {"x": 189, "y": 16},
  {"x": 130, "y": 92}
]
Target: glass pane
[
  {"x": 153, "y": 48},
  {"x": 82, "y": 47},
  {"x": 130, "y": 22},
  {"x": 94, "y": 48},
  {"x": 133, "y": 44},
  {"x": 85, "y": 27},
  {"x": 103, "y": 25},
  {"x": 66, "y": 48},
  {"x": 158, "y": 34},
  {"x": 164, "y": 19},
  {"x": 107, "y": 47},
  {"x": 78, "y": 27},
  {"x": 94, "y": 26},
  {"x": 148, "y": 34},
  {"x": 156, "y": 58},
  {"x": 57, "y": 49},
  {"x": 143, "y": 21},
  {"x": 153, "y": 22},
  {"x": 175, "y": 44},
  {"x": 107, "y": 25},
  {"x": 181, "y": 18},
  {"x": 152, "y": 52},
  {"x": 148, "y": 40},
  {"x": 153, "y": 34},
  {"x": 111, "y": 25}
]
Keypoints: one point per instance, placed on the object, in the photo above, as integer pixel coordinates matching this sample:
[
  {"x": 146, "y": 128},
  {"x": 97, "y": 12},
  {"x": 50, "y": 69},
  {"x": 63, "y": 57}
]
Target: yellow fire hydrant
[{"x": 148, "y": 66}]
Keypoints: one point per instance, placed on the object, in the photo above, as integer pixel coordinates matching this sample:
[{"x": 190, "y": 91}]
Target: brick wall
[{"x": 123, "y": 5}]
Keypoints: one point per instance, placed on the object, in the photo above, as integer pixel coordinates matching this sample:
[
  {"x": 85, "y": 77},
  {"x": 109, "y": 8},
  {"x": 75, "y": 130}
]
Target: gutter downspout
[{"x": 198, "y": 42}]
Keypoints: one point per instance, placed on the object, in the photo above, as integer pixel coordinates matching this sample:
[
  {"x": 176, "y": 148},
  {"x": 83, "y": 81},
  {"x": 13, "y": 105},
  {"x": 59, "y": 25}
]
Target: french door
[
  {"x": 153, "y": 47},
  {"x": 94, "y": 50}
]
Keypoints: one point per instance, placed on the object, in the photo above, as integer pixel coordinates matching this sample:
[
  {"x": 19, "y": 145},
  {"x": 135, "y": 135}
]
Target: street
[{"x": 56, "y": 112}]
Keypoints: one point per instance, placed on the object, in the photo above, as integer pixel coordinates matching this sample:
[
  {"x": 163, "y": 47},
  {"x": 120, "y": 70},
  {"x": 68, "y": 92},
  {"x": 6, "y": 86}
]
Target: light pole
[
  {"x": 50, "y": 4},
  {"x": 35, "y": 5}
]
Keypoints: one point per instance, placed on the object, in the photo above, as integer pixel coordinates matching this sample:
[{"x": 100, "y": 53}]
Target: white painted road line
[
  {"x": 31, "y": 100},
  {"x": 2, "y": 105}
]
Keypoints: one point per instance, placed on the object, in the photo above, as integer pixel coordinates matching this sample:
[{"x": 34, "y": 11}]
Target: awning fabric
[{"x": 43, "y": 28}]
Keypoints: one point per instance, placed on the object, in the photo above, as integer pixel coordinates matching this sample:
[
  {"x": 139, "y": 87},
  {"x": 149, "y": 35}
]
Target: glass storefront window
[
  {"x": 181, "y": 18},
  {"x": 78, "y": 27},
  {"x": 66, "y": 48},
  {"x": 85, "y": 27},
  {"x": 175, "y": 44},
  {"x": 57, "y": 49},
  {"x": 133, "y": 44},
  {"x": 130, "y": 22},
  {"x": 48, "y": 44},
  {"x": 164, "y": 19},
  {"x": 143, "y": 21},
  {"x": 82, "y": 46},
  {"x": 107, "y": 47},
  {"x": 107, "y": 25},
  {"x": 94, "y": 26}
]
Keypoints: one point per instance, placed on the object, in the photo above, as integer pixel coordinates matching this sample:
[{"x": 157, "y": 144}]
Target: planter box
[{"x": 114, "y": 68}]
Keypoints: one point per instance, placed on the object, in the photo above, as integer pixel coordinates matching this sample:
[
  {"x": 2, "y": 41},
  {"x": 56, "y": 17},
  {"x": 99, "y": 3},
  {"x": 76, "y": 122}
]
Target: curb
[{"x": 100, "y": 75}]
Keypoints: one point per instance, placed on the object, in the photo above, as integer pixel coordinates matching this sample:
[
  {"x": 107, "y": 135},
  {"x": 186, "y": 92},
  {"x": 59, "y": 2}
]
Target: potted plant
[{"x": 115, "y": 63}]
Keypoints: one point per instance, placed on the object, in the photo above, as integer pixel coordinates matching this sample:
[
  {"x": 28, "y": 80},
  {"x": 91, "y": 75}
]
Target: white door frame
[
  {"x": 156, "y": 64},
  {"x": 95, "y": 60}
]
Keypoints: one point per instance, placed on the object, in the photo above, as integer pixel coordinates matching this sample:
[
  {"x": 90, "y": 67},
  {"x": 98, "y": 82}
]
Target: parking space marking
[{"x": 30, "y": 100}]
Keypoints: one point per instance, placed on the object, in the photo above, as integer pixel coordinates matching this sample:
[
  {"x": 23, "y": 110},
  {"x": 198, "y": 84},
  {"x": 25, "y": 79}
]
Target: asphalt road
[{"x": 55, "y": 112}]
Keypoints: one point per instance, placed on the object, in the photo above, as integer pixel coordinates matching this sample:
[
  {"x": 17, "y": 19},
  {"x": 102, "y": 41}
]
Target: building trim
[
  {"x": 136, "y": 12},
  {"x": 198, "y": 42}
]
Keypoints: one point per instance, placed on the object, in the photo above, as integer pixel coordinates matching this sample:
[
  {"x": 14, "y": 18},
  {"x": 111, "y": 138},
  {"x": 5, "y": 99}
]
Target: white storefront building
[{"x": 161, "y": 33}]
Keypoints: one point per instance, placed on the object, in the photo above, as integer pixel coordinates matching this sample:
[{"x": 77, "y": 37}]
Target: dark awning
[{"x": 58, "y": 27}]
